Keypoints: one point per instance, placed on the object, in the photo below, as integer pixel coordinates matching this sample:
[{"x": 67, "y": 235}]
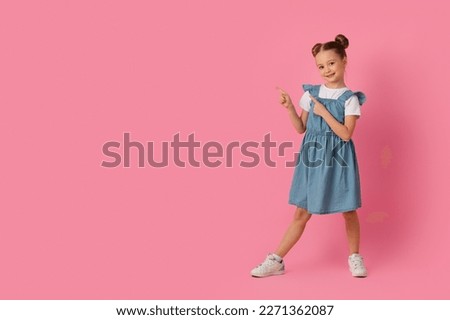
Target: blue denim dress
[{"x": 326, "y": 176}]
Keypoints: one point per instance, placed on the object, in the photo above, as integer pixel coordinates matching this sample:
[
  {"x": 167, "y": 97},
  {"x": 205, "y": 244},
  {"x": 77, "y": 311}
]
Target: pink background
[{"x": 74, "y": 75}]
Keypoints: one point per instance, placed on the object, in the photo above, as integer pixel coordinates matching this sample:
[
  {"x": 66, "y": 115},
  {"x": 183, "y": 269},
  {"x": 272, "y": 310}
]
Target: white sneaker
[
  {"x": 356, "y": 266},
  {"x": 270, "y": 267}
]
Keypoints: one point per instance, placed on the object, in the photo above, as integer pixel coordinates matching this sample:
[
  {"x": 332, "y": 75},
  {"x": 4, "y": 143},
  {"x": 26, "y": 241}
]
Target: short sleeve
[
  {"x": 352, "y": 106},
  {"x": 305, "y": 101}
]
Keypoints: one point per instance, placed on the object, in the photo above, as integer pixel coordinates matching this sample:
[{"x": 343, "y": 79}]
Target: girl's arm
[
  {"x": 343, "y": 131},
  {"x": 299, "y": 122}
]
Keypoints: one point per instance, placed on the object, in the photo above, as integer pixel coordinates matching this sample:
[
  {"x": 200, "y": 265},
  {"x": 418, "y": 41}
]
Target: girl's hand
[
  {"x": 319, "y": 109},
  {"x": 285, "y": 100}
]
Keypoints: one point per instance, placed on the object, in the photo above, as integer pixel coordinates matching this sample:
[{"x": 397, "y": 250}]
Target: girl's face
[{"x": 331, "y": 67}]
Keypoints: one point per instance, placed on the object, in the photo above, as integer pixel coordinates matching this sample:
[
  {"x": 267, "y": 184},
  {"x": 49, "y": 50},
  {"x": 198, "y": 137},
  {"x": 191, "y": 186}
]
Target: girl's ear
[{"x": 345, "y": 61}]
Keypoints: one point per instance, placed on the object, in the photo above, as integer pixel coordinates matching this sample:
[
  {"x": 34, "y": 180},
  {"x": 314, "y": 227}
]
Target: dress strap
[
  {"x": 347, "y": 94},
  {"x": 313, "y": 89}
]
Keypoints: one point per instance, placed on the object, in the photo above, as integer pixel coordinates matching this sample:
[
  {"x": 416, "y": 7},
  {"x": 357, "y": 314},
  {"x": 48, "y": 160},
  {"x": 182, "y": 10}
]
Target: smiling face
[{"x": 331, "y": 67}]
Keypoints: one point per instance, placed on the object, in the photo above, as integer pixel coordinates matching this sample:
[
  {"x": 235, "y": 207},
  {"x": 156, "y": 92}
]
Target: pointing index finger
[{"x": 279, "y": 89}]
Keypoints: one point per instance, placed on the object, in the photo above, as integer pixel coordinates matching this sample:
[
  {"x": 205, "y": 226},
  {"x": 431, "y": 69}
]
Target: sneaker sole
[
  {"x": 277, "y": 273},
  {"x": 359, "y": 276}
]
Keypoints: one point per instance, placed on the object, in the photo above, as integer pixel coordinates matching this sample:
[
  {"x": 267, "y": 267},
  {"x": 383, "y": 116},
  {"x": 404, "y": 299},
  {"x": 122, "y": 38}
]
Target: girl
[{"x": 326, "y": 177}]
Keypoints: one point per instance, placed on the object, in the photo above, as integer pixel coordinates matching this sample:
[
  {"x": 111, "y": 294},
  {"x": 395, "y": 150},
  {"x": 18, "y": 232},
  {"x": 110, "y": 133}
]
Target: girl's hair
[{"x": 339, "y": 45}]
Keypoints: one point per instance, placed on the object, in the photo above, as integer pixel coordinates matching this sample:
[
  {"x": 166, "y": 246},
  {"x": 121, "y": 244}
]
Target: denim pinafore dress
[{"x": 326, "y": 175}]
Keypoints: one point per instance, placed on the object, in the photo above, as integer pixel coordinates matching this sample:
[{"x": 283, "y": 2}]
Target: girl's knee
[{"x": 302, "y": 214}]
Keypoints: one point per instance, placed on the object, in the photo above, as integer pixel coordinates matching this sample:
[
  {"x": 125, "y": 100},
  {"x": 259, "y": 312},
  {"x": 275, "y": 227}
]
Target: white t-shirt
[{"x": 352, "y": 106}]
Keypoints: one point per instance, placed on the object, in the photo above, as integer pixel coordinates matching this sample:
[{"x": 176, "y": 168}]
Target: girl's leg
[
  {"x": 355, "y": 260},
  {"x": 352, "y": 229},
  {"x": 294, "y": 231}
]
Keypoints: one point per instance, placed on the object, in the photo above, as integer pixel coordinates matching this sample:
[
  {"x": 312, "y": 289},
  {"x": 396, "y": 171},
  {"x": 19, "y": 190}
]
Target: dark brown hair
[{"x": 339, "y": 45}]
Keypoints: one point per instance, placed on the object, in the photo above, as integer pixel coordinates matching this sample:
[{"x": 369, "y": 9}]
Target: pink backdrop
[{"x": 76, "y": 75}]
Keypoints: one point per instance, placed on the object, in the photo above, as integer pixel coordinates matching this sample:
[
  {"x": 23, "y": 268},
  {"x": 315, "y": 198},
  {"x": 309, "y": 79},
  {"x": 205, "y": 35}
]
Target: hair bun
[{"x": 342, "y": 40}]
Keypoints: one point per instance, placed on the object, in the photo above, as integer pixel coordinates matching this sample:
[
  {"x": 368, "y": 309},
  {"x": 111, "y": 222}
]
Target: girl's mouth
[{"x": 330, "y": 75}]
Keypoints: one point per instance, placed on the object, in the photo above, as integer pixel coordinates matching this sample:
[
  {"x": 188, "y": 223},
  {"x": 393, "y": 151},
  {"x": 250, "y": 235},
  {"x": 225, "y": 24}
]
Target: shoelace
[
  {"x": 357, "y": 263},
  {"x": 265, "y": 265}
]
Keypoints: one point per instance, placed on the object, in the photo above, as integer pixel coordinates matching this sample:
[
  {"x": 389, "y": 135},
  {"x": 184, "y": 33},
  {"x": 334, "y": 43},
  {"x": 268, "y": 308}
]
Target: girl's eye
[
  {"x": 331, "y": 63},
  {"x": 321, "y": 67}
]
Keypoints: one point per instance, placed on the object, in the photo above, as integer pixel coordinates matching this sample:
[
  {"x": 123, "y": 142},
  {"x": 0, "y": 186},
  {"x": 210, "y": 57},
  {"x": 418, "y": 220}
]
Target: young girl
[{"x": 326, "y": 177}]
